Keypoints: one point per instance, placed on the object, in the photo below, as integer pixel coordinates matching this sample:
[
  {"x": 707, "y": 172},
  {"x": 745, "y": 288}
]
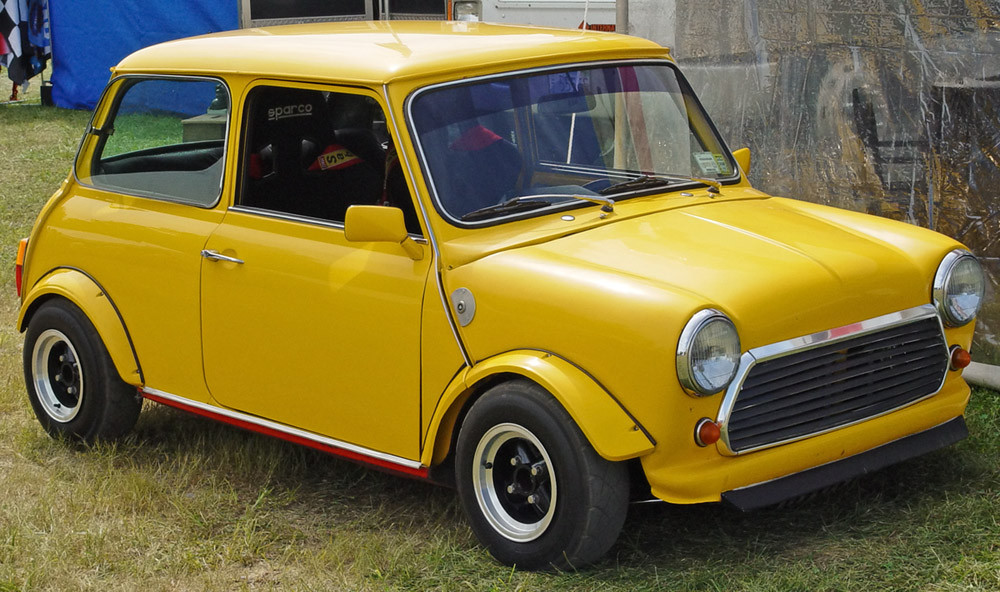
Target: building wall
[{"x": 884, "y": 106}]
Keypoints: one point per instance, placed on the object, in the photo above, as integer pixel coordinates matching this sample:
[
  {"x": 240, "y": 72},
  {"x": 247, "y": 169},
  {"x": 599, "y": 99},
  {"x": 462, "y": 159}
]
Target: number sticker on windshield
[
  {"x": 706, "y": 162},
  {"x": 720, "y": 161}
]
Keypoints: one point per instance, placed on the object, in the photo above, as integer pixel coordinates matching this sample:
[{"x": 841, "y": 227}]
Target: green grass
[
  {"x": 188, "y": 504},
  {"x": 141, "y": 131}
]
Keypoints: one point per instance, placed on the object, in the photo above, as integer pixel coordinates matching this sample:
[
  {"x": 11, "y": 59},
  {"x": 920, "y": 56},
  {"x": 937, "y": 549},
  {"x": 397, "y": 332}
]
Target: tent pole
[{"x": 621, "y": 16}]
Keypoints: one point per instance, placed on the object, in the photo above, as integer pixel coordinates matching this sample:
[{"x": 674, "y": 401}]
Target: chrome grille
[{"x": 836, "y": 378}]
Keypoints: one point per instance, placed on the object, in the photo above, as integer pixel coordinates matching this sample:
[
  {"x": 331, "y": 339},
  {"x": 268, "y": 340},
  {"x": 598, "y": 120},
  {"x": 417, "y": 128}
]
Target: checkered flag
[{"x": 11, "y": 30}]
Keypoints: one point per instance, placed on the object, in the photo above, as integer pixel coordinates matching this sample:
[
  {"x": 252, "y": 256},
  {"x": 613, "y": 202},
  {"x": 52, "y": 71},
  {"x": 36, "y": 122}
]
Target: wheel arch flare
[
  {"x": 613, "y": 432},
  {"x": 89, "y": 296}
]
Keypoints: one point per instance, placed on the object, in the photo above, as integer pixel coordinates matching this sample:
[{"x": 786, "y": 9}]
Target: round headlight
[
  {"x": 708, "y": 353},
  {"x": 959, "y": 287}
]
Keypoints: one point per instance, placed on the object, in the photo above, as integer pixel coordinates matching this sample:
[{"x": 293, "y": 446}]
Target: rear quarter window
[{"x": 164, "y": 138}]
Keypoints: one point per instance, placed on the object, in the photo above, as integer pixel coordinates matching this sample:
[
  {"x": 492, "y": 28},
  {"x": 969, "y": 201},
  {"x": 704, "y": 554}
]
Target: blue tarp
[{"x": 88, "y": 38}]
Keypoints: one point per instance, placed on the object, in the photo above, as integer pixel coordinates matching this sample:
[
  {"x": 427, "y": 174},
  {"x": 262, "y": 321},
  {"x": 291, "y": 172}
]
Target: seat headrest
[
  {"x": 351, "y": 111},
  {"x": 289, "y": 108}
]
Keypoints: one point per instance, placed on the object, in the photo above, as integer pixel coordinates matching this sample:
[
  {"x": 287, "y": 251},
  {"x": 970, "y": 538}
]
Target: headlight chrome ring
[
  {"x": 708, "y": 353},
  {"x": 959, "y": 288}
]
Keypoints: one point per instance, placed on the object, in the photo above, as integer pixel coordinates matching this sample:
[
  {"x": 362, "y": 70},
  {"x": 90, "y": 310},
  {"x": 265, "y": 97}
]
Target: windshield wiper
[
  {"x": 640, "y": 182},
  {"x": 514, "y": 204},
  {"x": 529, "y": 202},
  {"x": 651, "y": 181}
]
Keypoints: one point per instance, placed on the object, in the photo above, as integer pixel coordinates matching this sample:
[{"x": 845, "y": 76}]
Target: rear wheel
[
  {"x": 73, "y": 386},
  {"x": 536, "y": 493}
]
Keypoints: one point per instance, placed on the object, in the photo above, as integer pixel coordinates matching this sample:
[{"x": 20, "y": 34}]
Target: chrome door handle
[{"x": 217, "y": 256}]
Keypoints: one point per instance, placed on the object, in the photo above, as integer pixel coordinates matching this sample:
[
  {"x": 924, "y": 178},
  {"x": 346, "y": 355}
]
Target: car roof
[{"x": 380, "y": 51}]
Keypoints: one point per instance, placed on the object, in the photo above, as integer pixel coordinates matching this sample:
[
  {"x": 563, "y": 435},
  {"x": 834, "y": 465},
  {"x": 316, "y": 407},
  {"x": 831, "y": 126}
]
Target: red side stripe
[{"x": 420, "y": 473}]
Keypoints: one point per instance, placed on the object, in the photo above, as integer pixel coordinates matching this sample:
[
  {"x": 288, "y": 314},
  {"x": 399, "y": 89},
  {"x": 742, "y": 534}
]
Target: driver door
[{"x": 301, "y": 326}]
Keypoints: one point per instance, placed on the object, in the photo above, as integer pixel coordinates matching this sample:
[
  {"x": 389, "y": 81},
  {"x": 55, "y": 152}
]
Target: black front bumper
[{"x": 785, "y": 488}]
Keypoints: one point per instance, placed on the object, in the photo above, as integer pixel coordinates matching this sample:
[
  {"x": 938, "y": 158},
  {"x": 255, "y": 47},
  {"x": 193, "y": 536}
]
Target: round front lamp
[
  {"x": 708, "y": 353},
  {"x": 959, "y": 288}
]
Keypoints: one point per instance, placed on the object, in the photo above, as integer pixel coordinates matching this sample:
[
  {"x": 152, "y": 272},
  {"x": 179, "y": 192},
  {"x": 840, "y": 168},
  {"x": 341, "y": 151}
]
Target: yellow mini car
[{"x": 519, "y": 260}]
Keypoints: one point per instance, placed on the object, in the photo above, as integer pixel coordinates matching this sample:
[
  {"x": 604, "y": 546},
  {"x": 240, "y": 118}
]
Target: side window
[
  {"x": 165, "y": 139},
  {"x": 314, "y": 153}
]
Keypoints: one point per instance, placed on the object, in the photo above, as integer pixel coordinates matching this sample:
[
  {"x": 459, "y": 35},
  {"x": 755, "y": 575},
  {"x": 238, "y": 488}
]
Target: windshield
[{"x": 524, "y": 144}]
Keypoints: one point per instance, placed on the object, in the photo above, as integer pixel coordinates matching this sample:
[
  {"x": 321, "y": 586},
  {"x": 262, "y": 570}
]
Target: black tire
[
  {"x": 579, "y": 499},
  {"x": 73, "y": 385}
]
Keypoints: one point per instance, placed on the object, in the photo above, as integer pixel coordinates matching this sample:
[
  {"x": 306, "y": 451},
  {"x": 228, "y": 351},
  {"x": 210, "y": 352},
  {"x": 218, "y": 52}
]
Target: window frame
[
  {"x": 94, "y": 140},
  {"x": 240, "y": 171}
]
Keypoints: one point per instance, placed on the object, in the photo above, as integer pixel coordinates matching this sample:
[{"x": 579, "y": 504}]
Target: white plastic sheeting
[{"x": 885, "y": 106}]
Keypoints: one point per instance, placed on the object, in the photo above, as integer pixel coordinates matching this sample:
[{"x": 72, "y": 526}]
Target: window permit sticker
[
  {"x": 720, "y": 161},
  {"x": 706, "y": 162},
  {"x": 334, "y": 157}
]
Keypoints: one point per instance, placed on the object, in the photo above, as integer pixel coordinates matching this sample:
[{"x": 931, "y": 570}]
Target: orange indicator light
[
  {"x": 19, "y": 264},
  {"x": 960, "y": 358},
  {"x": 707, "y": 432}
]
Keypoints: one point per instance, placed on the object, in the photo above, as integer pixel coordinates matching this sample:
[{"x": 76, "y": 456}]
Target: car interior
[{"x": 313, "y": 153}]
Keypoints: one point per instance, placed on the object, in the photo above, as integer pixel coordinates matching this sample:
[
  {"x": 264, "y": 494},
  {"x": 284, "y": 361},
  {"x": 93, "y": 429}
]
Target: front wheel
[
  {"x": 72, "y": 383},
  {"x": 536, "y": 493}
]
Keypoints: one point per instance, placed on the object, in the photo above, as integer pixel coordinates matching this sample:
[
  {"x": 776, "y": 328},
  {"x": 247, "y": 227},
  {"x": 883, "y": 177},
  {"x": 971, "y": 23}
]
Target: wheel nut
[
  {"x": 532, "y": 499},
  {"x": 58, "y": 377},
  {"x": 62, "y": 358},
  {"x": 513, "y": 461},
  {"x": 510, "y": 489},
  {"x": 71, "y": 390}
]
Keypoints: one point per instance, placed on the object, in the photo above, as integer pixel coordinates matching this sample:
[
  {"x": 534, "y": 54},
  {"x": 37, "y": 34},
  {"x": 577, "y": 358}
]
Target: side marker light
[
  {"x": 707, "y": 432},
  {"x": 22, "y": 247},
  {"x": 960, "y": 358}
]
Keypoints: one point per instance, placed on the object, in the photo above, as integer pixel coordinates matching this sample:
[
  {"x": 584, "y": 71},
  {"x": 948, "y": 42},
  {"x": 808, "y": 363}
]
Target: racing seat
[
  {"x": 485, "y": 169},
  {"x": 295, "y": 165},
  {"x": 352, "y": 117},
  {"x": 280, "y": 119}
]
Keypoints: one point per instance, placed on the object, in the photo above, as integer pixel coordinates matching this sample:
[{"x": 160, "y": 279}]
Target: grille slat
[
  {"x": 818, "y": 425},
  {"x": 840, "y": 397},
  {"x": 891, "y": 338},
  {"x": 809, "y": 425},
  {"x": 821, "y": 362},
  {"x": 814, "y": 390},
  {"x": 793, "y": 385}
]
